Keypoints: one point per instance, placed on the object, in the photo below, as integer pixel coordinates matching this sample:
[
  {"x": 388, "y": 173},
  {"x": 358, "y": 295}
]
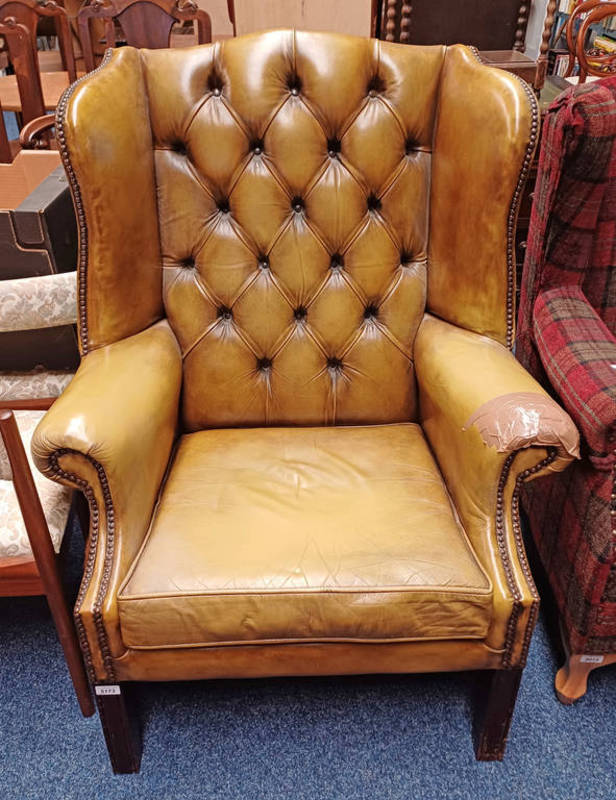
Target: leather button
[
  {"x": 188, "y": 263},
  {"x": 334, "y": 363},
  {"x": 214, "y": 84},
  {"x": 179, "y": 147},
  {"x": 371, "y": 311},
  {"x": 374, "y": 203},
  {"x": 264, "y": 364},
  {"x": 405, "y": 257},
  {"x": 410, "y": 146},
  {"x": 263, "y": 262},
  {"x": 224, "y": 312},
  {"x": 375, "y": 86},
  {"x": 337, "y": 261},
  {"x": 297, "y": 204},
  {"x": 333, "y": 147},
  {"x": 294, "y": 84},
  {"x": 257, "y": 147},
  {"x": 223, "y": 206},
  {"x": 300, "y": 313}
]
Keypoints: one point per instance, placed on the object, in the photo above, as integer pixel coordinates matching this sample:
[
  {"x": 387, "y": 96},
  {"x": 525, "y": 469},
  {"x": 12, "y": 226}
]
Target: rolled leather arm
[
  {"x": 490, "y": 426},
  {"x": 111, "y": 432},
  {"x": 478, "y": 383},
  {"x": 578, "y": 353}
]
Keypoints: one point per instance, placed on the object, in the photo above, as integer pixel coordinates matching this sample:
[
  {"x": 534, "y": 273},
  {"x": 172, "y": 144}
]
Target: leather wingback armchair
[
  {"x": 297, "y": 420},
  {"x": 567, "y": 339}
]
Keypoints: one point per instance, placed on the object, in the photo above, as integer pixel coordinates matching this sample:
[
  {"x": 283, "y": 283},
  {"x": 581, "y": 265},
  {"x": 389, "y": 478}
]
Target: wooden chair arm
[
  {"x": 31, "y": 130},
  {"x": 28, "y": 404}
]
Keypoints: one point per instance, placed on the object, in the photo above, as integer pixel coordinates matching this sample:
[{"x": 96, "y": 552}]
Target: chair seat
[{"x": 304, "y": 534}]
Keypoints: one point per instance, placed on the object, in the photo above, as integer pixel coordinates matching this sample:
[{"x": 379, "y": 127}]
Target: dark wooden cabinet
[
  {"x": 486, "y": 24},
  {"x": 497, "y": 28}
]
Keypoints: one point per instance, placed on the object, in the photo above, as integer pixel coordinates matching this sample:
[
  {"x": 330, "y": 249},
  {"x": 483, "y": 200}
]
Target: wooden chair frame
[
  {"x": 28, "y": 12},
  {"x": 138, "y": 32},
  {"x": 18, "y": 29},
  {"x": 590, "y": 63},
  {"x": 21, "y": 580}
]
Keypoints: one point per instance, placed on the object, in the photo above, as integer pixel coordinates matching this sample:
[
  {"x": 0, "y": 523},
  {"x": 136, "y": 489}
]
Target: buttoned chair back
[
  {"x": 286, "y": 185},
  {"x": 291, "y": 467}
]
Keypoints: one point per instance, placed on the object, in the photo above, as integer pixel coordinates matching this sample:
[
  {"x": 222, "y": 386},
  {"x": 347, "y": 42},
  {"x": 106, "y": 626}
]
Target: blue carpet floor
[{"x": 374, "y": 737}]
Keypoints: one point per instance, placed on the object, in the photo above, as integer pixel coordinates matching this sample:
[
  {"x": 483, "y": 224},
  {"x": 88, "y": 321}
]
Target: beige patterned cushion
[
  {"x": 36, "y": 384},
  {"x": 55, "y": 499},
  {"x": 40, "y": 302}
]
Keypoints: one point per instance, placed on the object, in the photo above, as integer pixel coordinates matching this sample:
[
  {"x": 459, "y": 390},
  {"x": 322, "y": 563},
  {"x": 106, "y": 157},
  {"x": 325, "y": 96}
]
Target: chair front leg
[
  {"x": 499, "y": 693},
  {"x": 120, "y": 727}
]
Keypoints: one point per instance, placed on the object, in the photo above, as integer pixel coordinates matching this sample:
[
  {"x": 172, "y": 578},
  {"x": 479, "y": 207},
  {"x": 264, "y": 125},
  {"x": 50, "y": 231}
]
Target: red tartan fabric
[
  {"x": 566, "y": 339},
  {"x": 578, "y": 353}
]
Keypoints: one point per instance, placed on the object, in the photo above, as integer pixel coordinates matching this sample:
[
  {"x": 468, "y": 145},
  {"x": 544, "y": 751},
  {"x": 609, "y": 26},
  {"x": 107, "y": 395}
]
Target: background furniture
[
  {"x": 250, "y": 263},
  {"x": 30, "y": 92},
  {"x": 38, "y": 237},
  {"x": 600, "y": 34},
  {"x": 495, "y": 27},
  {"x": 566, "y": 338},
  {"x": 581, "y": 23},
  {"x": 356, "y": 17},
  {"x": 33, "y": 510},
  {"x": 143, "y": 23}
]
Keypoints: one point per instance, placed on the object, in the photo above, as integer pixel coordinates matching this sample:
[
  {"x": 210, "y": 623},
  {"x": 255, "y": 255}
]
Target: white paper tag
[
  {"x": 114, "y": 689},
  {"x": 592, "y": 659}
]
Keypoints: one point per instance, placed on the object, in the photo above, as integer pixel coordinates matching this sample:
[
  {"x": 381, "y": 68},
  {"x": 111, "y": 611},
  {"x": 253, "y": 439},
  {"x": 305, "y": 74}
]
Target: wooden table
[{"x": 52, "y": 83}]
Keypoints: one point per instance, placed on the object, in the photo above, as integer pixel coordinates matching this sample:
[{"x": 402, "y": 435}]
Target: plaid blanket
[{"x": 566, "y": 339}]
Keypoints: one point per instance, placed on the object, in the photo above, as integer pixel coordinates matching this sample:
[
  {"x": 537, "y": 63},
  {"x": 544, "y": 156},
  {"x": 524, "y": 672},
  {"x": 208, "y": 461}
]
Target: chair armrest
[
  {"x": 110, "y": 434},
  {"x": 28, "y": 136},
  {"x": 491, "y": 426},
  {"x": 578, "y": 353},
  {"x": 44, "y": 301}
]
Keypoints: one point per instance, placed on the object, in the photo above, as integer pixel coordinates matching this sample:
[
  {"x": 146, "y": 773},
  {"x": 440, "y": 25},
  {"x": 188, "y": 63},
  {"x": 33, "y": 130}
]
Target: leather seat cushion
[{"x": 304, "y": 534}]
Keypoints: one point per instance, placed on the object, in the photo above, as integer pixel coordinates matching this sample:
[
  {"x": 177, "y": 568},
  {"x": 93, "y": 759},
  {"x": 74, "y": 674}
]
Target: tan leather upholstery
[
  {"x": 256, "y": 254},
  {"x": 252, "y": 542}
]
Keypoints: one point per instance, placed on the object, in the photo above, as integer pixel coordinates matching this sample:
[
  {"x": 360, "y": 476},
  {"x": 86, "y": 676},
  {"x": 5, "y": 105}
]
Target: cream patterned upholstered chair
[
  {"x": 297, "y": 419},
  {"x": 33, "y": 510}
]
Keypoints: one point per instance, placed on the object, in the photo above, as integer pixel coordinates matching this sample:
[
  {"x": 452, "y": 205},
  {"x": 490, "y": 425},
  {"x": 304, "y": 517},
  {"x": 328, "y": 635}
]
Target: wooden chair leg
[
  {"x": 572, "y": 678},
  {"x": 45, "y": 557},
  {"x": 120, "y": 728},
  {"x": 500, "y": 689}
]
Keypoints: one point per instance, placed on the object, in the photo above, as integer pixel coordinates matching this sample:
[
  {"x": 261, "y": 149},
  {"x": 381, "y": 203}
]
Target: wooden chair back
[
  {"x": 144, "y": 23},
  {"x": 591, "y": 61},
  {"x": 23, "y": 58},
  {"x": 28, "y": 13}
]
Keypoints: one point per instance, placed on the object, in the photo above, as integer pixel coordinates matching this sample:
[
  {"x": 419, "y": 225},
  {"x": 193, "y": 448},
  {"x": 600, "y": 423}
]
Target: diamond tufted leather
[
  {"x": 264, "y": 225},
  {"x": 309, "y": 199}
]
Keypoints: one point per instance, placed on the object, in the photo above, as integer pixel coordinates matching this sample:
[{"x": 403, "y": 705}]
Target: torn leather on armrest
[
  {"x": 471, "y": 382},
  {"x": 518, "y": 420}
]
